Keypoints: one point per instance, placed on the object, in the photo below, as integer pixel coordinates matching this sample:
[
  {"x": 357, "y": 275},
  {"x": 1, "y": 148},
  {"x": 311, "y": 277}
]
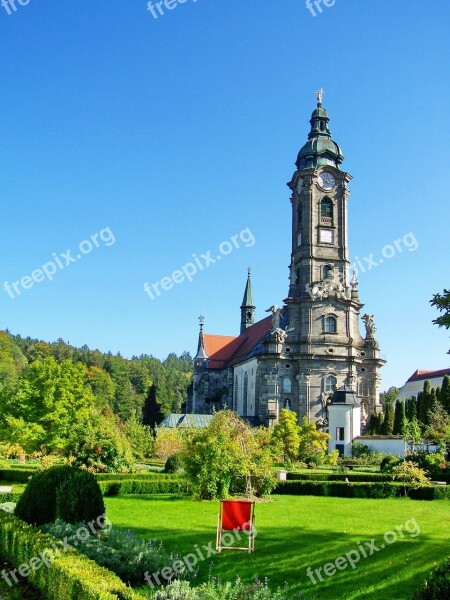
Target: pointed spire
[
  {"x": 247, "y": 301},
  {"x": 201, "y": 356},
  {"x": 248, "y": 305}
]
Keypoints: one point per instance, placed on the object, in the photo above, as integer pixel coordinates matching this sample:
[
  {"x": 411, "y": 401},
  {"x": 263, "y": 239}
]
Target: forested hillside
[{"x": 48, "y": 391}]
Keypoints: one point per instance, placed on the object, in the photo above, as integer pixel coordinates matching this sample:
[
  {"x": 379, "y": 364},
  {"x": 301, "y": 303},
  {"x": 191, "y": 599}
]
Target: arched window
[
  {"x": 330, "y": 383},
  {"x": 245, "y": 408},
  {"x": 363, "y": 389},
  {"x": 330, "y": 325},
  {"x": 287, "y": 385},
  {"x": 326, "y": 208}
]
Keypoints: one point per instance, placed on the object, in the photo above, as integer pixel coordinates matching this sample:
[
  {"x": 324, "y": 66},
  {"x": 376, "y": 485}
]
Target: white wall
[
  {"x": 347, "y": 416},
  {"x": 412, "y": 388}
]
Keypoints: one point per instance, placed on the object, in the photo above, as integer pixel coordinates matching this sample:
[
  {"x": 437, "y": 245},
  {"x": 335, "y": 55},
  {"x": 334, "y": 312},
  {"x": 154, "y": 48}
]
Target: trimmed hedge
[
  {"x": 341, "y": 489},
  {"x": 435, "y": 492},
  {"x": 124, "y": 487},
  {"x": 354, "y": 476},
  {"x": 18, "y": 475},
  {"x": 150, "y": 476},
  {"x": 70, "y": 575}
]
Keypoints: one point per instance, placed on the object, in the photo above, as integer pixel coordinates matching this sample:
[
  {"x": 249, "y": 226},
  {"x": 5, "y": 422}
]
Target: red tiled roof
[
  {"x": 423, "y": 374},
  {"x": 225, "y": 351}
]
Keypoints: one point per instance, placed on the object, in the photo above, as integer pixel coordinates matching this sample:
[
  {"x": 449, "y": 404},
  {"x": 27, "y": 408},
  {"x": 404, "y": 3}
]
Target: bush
[
  {"x": 389, "y": 462},
  {"x": 60, "y": 492},
  {"x": 218, "y": 590},
  {"x": 165, "y": 486},
  {"x": 173, "y": 464},
  {"x": 117, "y": 550},
  {"x": 70, "y": 575},
  {"x": 436, "y": 586}
]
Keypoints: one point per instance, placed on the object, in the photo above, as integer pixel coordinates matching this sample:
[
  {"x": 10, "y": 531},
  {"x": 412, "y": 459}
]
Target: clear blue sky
[{"x": 179, "y": 132}]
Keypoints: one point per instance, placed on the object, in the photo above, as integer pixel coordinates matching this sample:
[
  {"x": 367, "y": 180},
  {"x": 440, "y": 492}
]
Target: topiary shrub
[
  {"x": 60, "y": 492},
  {"x": 79, "y": 498}
]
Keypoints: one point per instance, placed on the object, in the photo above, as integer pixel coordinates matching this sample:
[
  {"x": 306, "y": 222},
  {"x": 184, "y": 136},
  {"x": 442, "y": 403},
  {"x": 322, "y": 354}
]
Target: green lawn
[{"x": 296, "y": 532}]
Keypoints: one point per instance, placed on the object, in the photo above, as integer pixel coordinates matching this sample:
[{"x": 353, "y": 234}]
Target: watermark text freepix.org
[
  {"x": 158, "y": 9},
  {"x": 189, "y": 561},
  {"x": 316, "y": 5},
  {"x": 59, "y": 262},
  {"x": 365, "y": 550},
  {"x": 11, "y": 5},
  {"x": 200, "y": 263},
  {"x": 47, "y": 556}
]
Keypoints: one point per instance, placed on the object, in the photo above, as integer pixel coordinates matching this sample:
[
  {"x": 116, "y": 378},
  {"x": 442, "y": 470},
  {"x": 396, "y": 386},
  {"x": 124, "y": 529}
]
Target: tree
[
  {"x": 51, "y": 399},
  {"x": 226, "y": 454},
  {"x": 438, "y": 429},
  {"x": 445, "y": 394},
  {"x": 313, "y": 443},
  {"x": 442, "y": 303},
  {"x": 411, "y": 408},
  {"x": 399, "y": 417},
  {"x": 390, "y": 396},
  {"x": 388, "y": 423},
  {"x": 168, "y": 442},
  {"x": 412, "y": 433},
  {"x": 286, "y": 435},
  {"x": 410, "y": 475}
]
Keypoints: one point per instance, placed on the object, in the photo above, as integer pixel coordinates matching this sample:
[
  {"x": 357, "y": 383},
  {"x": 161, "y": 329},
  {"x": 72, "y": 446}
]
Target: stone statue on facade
[
  {"x": 364, "y": 415},
  {"x": 370, "y": 325},
  {"x": 276, "y": 315}
]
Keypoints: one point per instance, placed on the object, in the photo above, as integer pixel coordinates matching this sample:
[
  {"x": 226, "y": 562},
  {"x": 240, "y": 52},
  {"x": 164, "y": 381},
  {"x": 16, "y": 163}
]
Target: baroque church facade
[{"x": 301, "y": 353}]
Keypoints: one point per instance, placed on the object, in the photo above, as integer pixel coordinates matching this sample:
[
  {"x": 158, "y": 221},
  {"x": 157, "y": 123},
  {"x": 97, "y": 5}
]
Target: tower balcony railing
[{"x": 326, "y": 221}]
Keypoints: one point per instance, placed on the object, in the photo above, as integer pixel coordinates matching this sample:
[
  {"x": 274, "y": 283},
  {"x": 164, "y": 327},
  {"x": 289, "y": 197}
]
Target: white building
[{"x": 414, "y": 385}]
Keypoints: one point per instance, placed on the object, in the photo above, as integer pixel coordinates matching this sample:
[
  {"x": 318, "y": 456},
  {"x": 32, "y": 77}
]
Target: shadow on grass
[{"x": 285, "y": 550}]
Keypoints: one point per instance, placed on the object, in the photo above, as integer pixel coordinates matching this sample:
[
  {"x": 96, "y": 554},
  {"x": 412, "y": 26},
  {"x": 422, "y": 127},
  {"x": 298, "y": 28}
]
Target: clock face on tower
[{"x": 326, "y": 181}]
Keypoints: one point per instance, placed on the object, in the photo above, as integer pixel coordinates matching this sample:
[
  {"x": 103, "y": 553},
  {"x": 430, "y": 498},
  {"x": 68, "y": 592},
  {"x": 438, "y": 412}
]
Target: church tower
[
  {"x": 323, "y": 305},
  {"x": 248, "y": 306}
]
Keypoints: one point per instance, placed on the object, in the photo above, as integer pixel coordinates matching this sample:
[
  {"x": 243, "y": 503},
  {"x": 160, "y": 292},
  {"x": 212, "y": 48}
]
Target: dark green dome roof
[{"x": 320, "y": 150}]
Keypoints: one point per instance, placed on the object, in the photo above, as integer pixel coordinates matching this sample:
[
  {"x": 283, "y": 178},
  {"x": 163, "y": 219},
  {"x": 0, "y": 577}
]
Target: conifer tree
[
  {"x": 388, "y": 423},
  {"x": 411, "y": 408},
  {"x": 399, "y": 417},
  {"x": 445, "y": 394}
]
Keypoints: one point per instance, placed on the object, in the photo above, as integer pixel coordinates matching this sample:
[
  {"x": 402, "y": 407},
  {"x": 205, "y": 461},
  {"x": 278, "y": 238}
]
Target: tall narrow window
[
  {"x": 330, "y": 383},
  {"x": 330, "y": 325},
  {"x": 245, "y": 408},
  {"x": 326, "y": 209},
  {"x": 287, "y": 385},
  {"x": 363, "y": 389},
  {"x": 340, "y": 434}
]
